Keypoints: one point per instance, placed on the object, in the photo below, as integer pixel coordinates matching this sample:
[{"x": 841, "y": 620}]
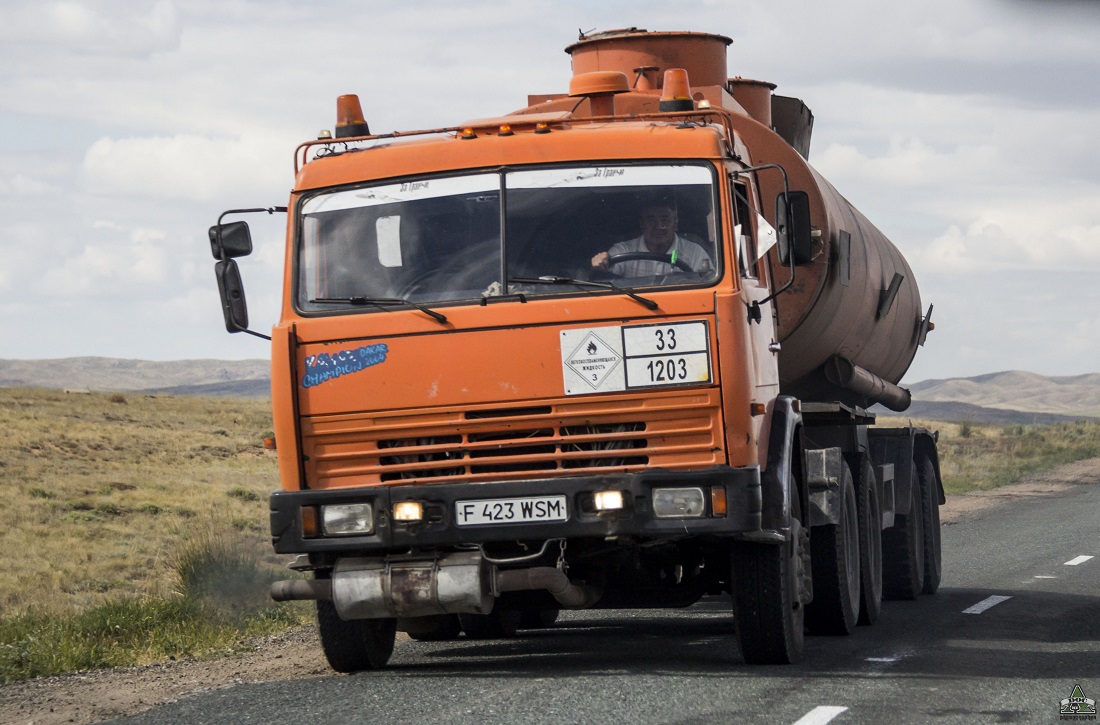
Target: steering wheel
[{"x": 653, "y": 256}]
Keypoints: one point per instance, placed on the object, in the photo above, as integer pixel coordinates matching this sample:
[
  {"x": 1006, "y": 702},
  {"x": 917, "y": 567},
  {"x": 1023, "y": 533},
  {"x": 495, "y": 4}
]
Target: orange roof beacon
[{"x": 614, "y": 349}]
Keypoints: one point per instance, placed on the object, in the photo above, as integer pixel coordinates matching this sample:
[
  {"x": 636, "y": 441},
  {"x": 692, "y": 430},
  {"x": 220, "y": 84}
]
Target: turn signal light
[{"x": 718, "y": 501}]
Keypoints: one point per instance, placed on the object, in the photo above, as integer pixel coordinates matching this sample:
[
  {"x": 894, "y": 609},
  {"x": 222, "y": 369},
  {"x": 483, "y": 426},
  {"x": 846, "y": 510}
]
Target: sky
[{"x": 966, "y": 130}]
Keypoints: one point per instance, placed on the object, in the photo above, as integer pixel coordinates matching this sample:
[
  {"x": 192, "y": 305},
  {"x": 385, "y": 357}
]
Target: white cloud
[
  {"x": 92, "y": 27},
  {"x": 187, "y": 167}
]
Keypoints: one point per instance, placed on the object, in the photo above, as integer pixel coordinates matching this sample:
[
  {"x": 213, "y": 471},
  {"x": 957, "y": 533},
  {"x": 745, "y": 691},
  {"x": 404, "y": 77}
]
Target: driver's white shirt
[{"x": 691, "y": 253}]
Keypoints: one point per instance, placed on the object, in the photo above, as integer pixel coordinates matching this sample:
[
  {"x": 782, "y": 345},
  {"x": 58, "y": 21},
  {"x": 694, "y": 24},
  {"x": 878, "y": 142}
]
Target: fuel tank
[{"x": 850, "y": 324}]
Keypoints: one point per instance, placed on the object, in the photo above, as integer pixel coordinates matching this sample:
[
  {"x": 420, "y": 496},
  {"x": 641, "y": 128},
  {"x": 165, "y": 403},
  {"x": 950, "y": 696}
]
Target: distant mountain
[
  {"x": 1074, "y": 396},
  {"x": 239, "y": 378}
]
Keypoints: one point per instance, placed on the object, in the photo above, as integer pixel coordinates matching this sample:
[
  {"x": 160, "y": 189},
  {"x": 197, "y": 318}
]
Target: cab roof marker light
[{"x": 468, "y": 133}]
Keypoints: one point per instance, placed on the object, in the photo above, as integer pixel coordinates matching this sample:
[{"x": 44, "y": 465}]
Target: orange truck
[{"x": 615, "y": 349}]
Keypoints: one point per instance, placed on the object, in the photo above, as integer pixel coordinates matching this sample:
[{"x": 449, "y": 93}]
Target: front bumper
[{"x": 439, "y": 529}]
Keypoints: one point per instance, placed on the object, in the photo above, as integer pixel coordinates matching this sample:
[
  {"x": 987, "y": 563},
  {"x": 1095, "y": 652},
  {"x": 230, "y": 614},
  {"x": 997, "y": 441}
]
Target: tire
[
  {"x": 903, "y": 549},
  {"x": 438, "y": 628},
  {"x": 498, "y": 624},
  {"x": 930, "y": 494},
  {"x": 767, "y": 610},
  {"x": 835, "y": 563},
  {"x": 538, "y": 618},
  {"x": 869, "y": 503},
  {"x": 356, "y": 644}
]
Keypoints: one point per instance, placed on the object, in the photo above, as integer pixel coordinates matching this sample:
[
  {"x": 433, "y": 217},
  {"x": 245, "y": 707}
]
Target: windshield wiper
[
  {"x": 383, "y": 302},
  {"x": 552, "y": 279}
]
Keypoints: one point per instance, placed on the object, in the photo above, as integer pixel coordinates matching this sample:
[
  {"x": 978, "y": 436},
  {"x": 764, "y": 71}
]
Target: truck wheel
[
  {"x": 355, "y": 644},
  {"x": 870, "y": 543},
  {"x": 538, "y": 618},
  {"x": 437, "y": 628},
  {"x": 903, "y": 549},
  {"x": 926, "y": 474},
  {"x": 767, "y": 609},
  {"x": 835, "y": 563},
  {"x": 498, "y": 624}
]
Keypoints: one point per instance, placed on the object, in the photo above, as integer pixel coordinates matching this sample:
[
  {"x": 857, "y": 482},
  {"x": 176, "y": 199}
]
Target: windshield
[{"x": 440, "y": 239}]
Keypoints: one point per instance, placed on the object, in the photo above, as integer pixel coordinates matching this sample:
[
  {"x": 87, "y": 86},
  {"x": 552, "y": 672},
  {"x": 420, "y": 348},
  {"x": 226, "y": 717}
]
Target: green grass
[{"x": 218, "y": 603}]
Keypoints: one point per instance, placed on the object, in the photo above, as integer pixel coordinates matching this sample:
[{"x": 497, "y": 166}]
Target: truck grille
[{"x": 488, "y": 444}]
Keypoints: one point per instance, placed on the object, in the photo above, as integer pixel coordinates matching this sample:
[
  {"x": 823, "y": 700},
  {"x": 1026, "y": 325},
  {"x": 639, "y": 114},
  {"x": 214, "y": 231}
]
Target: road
[{"x": 1031, "y": 634}]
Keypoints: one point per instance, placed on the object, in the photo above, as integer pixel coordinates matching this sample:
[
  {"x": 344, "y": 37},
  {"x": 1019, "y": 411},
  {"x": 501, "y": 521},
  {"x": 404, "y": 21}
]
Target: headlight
[
  {"x": 678, "y": 503},
  {"x": 347, "y": 519}
]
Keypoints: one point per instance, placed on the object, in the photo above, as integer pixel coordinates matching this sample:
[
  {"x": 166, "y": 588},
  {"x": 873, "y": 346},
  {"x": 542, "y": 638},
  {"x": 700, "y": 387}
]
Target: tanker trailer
[{"x": 613, "y": 349}]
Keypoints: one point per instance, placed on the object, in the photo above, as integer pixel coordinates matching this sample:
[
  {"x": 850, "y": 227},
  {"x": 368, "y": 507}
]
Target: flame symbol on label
[{"x": 591, "y": 348}]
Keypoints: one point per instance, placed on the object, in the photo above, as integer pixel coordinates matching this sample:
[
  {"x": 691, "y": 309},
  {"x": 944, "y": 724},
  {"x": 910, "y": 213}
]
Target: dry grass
[
  {"x": 975, "y": 456},
  {"x": 100, "y": 491}
]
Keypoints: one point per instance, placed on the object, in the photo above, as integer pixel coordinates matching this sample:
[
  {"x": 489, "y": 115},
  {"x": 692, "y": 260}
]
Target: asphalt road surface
[{"x": 1014, "y": 627}]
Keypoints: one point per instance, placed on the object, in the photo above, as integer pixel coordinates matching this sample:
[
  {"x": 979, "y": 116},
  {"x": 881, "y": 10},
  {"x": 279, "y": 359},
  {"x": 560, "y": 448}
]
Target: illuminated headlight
[
  {"x": 608, "y": 500},
  {"x": 408, "y": 511},
  {"x": 347, "y": 519},
  {"x": 678, "y": 503}
]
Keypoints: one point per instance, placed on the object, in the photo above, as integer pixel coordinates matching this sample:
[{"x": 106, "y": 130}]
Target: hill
[
  {"x": 236, "y": 378},
  {"x": 1074, "y": 396}
]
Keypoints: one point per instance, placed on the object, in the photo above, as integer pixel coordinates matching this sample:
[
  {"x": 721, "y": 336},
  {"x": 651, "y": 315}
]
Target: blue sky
[{"x": 965, "y": 130}]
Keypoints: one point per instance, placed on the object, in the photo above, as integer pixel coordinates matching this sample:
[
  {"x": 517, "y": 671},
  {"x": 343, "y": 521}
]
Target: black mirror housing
[
  {"x": 792, "y": 217},
  {"x": 228, "y": 241},
  {"x": 231, "y": 289}
]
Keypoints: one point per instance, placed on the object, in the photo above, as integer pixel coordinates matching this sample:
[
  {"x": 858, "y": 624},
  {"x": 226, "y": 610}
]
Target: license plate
[{"x": 526, "y": 510}]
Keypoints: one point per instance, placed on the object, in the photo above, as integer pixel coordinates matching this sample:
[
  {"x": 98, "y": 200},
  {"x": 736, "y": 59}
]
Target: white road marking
[
  {"x": 1078, "y": 560},
  {"x": 820, "y": 715},
  {"x": 986, "y": 604},
  {"x": 1044, "y": 576}
]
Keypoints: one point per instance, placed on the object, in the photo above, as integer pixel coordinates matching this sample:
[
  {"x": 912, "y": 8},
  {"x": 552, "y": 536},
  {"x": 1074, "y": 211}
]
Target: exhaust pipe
[
  {"x": 568, "y": 594},
  {"x": 463, "y": 582},
  {"x": 843, "y": 372},
  {"x": 301, "y": 589}
]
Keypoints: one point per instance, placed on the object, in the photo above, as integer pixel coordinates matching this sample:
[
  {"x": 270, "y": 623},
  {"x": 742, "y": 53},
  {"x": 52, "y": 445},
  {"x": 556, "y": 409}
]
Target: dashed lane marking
[
  {"x": 986, "y": 604},
  {"x": 820, "y": 715},
  {"x": 1077, "y": 560}
]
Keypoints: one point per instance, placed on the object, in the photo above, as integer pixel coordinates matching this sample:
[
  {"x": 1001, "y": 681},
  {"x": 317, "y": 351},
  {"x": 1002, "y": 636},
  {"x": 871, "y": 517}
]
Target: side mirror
[
  {"x": 792, "y": 226},
  {"x": 234, "y": 307},
  {"x": 231, "y": 240}
]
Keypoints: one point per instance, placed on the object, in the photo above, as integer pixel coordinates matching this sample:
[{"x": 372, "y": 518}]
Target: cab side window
[{"x": 745, "y": 242}]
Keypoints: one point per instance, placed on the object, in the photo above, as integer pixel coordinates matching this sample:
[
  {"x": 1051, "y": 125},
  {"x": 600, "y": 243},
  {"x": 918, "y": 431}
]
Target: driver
[{"x": 658, "y": 222}]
